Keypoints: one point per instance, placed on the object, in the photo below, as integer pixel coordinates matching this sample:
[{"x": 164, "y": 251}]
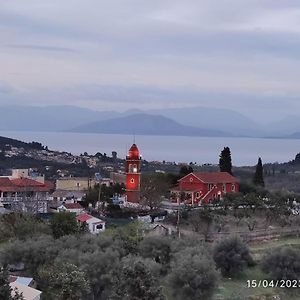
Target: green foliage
[
  {"x": 185, "y": 170},
  {"x": 133, "y": 280},
  {"x": 225, "y": 163},
  {"x": 63, "y": 282},
  {"x": 282, "y": 263},
  {"x": 157, "y": 248},
  {"x": 231, "y": 256},
  {"x": 193, "y": 275},
  {"x": 202, "y": 219},
  {"x": 64, "y": 223},
  {"x": 259, "y": 174},
  {"x": 5, "y": 289},
  {"x": 153, "y": 188},
  {"x": 6, "y": 292},
  {"x": 103, "y": 193},
  {"x": 128, "y": 236},
  {"x": 33, "y": 252},
  {"x": 21, "y": 226}
]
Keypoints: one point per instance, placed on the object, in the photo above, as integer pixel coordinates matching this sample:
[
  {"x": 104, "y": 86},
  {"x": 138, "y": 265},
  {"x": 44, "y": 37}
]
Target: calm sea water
[{"x": 245, "y": 151}]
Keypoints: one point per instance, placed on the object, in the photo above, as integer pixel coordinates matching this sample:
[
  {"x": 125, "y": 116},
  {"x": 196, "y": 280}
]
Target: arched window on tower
[{"x": 132, "y": 168}]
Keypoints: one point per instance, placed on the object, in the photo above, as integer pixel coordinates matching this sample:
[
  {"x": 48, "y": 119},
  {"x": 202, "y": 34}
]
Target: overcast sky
[{"x": 121, "y": 54}]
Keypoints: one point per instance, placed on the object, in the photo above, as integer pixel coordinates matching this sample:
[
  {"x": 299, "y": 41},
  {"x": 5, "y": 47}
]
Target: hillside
[
  {"x": 145, "y": 124},
  {"x": 4, "y": 141}
]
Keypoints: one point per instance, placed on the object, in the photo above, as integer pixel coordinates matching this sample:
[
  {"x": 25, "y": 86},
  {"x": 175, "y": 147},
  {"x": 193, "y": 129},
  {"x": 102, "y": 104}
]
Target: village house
[
  {"x": 202, "y": 188},
  {"x": 94, "y": 224},
  {"x": 21, "y": 191},
  {"x": 71, "y": 208},
  {"x": 27, "y": 292},
  {"x": 67, "y": 196}
]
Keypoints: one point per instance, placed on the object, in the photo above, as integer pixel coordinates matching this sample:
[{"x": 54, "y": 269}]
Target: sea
[{"x": 179, "y": 149}]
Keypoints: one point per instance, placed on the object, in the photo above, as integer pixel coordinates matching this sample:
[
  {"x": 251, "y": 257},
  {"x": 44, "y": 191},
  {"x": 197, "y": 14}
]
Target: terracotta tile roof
[
  {"x": 5, "y": 181},
  {"x": 22, "y": 185},
  {"x": 26, "y": 182},
  {"x": 73, "y": 206},
  {"x": 215, "y": 177},
  {"x": 83, "y": 218}
]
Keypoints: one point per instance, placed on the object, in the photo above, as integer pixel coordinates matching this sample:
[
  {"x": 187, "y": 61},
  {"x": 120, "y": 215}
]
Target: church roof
[
  {"x": 134, "y": 152},
  {"x": 214, "y": 177}
]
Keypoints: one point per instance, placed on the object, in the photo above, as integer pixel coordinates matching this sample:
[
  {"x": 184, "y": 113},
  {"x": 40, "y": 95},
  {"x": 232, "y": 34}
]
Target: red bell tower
[{"x": 133, "y": 174}]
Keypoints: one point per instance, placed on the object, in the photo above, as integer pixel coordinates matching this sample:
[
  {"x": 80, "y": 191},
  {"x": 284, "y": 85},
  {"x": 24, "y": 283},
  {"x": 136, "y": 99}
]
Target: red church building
[
  {"x": 133, "y": 174},
  {"x": 202, "y": 188}
]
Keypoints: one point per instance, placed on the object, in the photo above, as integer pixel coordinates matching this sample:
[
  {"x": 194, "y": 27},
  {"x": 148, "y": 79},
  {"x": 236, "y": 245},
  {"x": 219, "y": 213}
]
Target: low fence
[{"x": 257, "y": 235}]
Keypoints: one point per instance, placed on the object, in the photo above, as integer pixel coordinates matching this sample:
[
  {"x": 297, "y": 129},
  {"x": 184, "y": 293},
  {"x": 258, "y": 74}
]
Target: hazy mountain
[
  {"x": 287, "y": 125},
  {"x": 64, "y": 118},
  {"x": 51, "y": 118},
  {"x": 213, "y": 118},
  {"x": 147, "y": 125}
]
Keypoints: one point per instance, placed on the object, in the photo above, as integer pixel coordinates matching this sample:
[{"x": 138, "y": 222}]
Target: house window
[
  {"x": 233, "y": 188},
  {"x": 210, "y": 186},
  {"x": 197, "y": 195},
  {"x": 99, "y": 226},
  {"x": 191, "y": 179},
  {"x": 224, "y": 187},
  {"x": 131, "y": 180}
]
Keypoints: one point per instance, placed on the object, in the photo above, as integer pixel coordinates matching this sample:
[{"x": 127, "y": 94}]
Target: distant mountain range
[
  {"x": 147, "y": 125},
  {"x": 192, "y": 121}
]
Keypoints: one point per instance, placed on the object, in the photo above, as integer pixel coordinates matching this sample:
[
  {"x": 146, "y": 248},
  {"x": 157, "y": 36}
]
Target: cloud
[
  {"x": 40, "y": 48},
  {"x": 122, "y": 53}
]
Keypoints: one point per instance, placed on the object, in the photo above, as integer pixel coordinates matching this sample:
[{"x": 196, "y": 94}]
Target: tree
[
  {"x": 231, "y": 256},
  {"x": 259, "y": 174},
  {"x": 134, "y": 281},
  {"x": 201, "y": 220},
  {"x": 185, "y": 170},
  {"x": 193, "y": 275},
  {"x": 153, "y": 188},
  {"x": 63, "y": 282},
  {"x": 156, "y": 247},
  {"x": 64, "y": 223},
  {"x": 6, "y": 292},
  {"x": 225, "y": 163},
  {"x": 282, "y": 263}
]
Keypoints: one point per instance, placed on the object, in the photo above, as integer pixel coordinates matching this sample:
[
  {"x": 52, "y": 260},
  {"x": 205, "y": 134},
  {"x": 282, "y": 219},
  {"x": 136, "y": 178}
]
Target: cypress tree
[
  {"x": 259, "y": 174},
  {"x": 225, "y": 163}
]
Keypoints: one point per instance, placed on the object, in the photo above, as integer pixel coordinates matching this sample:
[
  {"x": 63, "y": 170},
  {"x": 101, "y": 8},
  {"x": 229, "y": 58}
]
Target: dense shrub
[
  {"x": 64, "y": 223},
  {"x": 63, "y": 281},
  {"x": 231, "y": 256},
  {"x": 282, "y": 263},
  {"x": 193, "y": 275},
  {"x": 21, "y": 226},
  {"x": 133, "y": 280},
  {"x": 156, "y": 247}
]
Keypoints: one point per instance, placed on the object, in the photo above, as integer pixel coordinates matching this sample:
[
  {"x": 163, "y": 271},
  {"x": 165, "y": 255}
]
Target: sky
[{"x": 126, "y": 54}]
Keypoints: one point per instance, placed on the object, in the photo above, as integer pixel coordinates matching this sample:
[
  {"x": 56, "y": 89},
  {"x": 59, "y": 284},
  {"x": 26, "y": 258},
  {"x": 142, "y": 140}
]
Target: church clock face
[{"x": 131, "y": 180}]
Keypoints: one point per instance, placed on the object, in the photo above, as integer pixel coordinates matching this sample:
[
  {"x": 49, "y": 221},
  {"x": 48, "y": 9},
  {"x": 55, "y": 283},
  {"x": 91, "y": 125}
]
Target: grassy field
[{"x": 236, "y": 289}]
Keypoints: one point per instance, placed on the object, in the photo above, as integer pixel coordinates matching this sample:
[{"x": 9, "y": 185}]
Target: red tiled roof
[
  {"x": 5, "y": 181},
  {"x": 72, "y": 206},
  {"x": 22, "y": 185},
  {"x": 26, "y": 182},
  {"x": 215, "y": 177},
  {"x": 83, "y": 218}
]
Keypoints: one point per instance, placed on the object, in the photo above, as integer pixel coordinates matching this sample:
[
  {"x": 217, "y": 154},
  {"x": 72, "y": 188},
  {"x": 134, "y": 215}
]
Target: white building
[
  {"x": 95, "y": 225},
  {"x": 28, "y": 293},
  {"x": 72, "y": 208}
]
